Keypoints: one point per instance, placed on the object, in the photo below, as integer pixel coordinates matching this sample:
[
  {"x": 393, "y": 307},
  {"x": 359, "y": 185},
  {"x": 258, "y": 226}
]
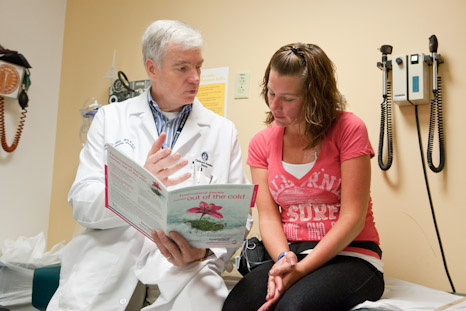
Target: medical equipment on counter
[
  {"x": 14, "y": 83},
  {"x": 410, "y": 79},
  {"x": 87, "y": 114},
  {"x": 122, "y": 89}
]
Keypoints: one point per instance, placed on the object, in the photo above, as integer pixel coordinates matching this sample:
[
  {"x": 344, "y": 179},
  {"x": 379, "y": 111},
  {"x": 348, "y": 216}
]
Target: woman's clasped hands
[{"x": 284, "y": 273}]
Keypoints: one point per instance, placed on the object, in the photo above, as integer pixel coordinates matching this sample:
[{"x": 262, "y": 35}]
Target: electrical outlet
[{"x": 242, "y": 85}]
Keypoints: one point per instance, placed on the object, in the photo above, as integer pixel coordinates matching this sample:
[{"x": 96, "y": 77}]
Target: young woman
[{"x": 312, "y": 164}]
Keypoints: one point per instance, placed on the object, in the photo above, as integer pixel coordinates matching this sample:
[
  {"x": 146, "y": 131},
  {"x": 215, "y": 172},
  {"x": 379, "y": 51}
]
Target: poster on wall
[{"x": 213, "y": 89}]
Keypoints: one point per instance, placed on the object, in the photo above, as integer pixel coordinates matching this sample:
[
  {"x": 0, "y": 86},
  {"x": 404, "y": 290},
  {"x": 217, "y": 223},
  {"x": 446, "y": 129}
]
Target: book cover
[{"x": 212, "y": 215}]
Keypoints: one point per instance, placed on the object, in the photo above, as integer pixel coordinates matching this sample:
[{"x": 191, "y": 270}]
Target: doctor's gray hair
[{"x": 161, "y": 32}]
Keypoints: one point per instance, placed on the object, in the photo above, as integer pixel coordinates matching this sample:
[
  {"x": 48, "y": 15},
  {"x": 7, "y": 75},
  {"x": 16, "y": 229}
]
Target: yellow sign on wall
[{"x": 213, "y": 90}]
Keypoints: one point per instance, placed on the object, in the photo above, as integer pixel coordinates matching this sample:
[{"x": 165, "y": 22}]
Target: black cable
[
  {"x": 430, "y": 200},
  {"x": 124, "y": 80},
  {"x": 386, "y": 124},
  {"x": 436, "y": 115}
]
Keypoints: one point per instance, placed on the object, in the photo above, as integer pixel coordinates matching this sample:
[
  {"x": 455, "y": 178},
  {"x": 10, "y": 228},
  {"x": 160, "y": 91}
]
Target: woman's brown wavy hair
[{"x": 321, "y": 99}]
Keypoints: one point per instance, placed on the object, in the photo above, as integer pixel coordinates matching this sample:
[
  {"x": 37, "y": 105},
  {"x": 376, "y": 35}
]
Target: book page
[
  {"x": 211, "y": 215},
  {"x": 134, "y": 194},
  {"x": 206, "y": 216}
]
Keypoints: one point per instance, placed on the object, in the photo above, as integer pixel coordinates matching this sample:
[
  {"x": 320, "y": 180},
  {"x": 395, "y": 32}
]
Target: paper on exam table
[
  {"x": 407, "y": 296},
  {"x": 18, "y": 259}
]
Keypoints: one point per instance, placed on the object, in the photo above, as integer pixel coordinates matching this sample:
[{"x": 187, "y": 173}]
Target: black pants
[{"x": 341, "y": 284}]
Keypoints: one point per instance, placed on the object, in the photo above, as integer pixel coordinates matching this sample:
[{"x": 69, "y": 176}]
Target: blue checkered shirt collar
[{"x": 163, "y": 124}]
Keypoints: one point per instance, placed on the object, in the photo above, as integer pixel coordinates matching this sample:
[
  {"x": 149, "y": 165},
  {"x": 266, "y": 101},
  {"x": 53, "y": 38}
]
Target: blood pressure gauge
[
  {"x": 11, "y": 77},
  {"x": 118, "y": 86}
]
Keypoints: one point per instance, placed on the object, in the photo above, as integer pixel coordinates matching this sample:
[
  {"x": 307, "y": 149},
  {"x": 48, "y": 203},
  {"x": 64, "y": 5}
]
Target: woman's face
[{"x": 285, "y": 98}]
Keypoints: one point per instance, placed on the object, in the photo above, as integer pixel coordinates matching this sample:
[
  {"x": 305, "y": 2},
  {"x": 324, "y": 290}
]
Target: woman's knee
[{"x": 249, "y": 293}]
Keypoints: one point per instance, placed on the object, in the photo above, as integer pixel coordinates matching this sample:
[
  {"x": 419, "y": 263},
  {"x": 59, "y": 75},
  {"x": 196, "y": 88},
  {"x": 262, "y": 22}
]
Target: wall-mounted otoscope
[
  {"x": 436, "y": 115},
  {"x": 386, "y": 109},
  {"x": 410, "y": 86},
  {"x": 410, "y": 81},
  {"x": 433, "y": 46}
]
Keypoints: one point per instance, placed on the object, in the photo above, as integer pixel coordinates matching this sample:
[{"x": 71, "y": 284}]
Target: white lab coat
[{"x": 100, "y": 268}]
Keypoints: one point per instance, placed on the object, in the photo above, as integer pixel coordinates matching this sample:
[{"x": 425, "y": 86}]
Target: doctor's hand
[
  {"x": 176, "y": 250},
  {"x": 162, "y": 163}
]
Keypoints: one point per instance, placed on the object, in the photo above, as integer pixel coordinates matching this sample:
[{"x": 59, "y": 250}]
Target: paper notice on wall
[{"x": 213, "y": 89}]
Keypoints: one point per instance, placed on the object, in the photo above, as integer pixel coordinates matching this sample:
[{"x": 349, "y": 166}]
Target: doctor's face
[{"x": 176, "y": 82}]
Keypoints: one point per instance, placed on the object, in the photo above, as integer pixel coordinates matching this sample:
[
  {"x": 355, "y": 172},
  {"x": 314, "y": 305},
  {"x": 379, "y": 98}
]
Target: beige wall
[
  {"x": 243, "y": 35},
  {"x": 34, "y": 28}
]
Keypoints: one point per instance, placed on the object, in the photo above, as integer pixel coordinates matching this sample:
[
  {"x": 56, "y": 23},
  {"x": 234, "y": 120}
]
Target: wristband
[
  {"x": 207, "y": 252},
  {"x": 280, "y": 256}
]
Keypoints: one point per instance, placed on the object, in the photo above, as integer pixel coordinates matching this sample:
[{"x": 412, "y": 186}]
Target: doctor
[{"x": 111, "y": 266}]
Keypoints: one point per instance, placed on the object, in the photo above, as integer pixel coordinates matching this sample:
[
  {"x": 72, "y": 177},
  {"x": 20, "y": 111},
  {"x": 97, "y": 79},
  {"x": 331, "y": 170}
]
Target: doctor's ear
[{"x": 151, "y": 68}]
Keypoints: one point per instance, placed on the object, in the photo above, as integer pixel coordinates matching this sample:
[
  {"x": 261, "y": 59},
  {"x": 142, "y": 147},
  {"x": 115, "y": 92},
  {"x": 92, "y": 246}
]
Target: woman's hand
[
  {"x": 284, "y": 265},
  {"x": 162, "y": 163},
  {"x": 282, "y": 275}
]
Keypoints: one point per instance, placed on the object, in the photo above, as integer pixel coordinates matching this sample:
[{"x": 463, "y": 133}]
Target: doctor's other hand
[
  {"x": 176, "y": 249},
  {"x": 162, "y": 163}
]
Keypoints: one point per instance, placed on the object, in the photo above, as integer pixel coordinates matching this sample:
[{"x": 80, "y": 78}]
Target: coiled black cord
[
  {"x": 436, "y": 115},
  {"x": 430, "y": 201},
  {"x": 386, "y": 125}
]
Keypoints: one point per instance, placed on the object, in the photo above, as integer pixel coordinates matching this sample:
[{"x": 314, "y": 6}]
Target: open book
[{"x": 206, "y": 216}]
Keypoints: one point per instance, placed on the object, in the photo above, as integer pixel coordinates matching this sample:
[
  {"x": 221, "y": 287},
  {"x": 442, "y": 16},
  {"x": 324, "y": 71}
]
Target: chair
[{"x": 44, "y": 284}]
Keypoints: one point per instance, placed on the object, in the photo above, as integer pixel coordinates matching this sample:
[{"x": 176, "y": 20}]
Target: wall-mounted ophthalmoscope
[{"x": 436, "y": 115}]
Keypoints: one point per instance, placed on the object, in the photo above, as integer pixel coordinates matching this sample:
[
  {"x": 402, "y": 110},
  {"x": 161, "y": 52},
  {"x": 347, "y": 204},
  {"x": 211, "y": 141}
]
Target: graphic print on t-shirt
[{"x": 310, "y": 208}]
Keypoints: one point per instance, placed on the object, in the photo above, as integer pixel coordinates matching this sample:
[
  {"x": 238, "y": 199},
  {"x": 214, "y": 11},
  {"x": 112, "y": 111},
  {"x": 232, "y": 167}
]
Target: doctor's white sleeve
[{"x": 87, "y": 194}]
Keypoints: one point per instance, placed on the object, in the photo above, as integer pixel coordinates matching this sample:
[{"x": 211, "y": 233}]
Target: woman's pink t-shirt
[{"x": 310, "y": 206}]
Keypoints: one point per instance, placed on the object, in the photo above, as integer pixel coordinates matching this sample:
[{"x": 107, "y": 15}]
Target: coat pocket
[{"x": 87, "y": 278}]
